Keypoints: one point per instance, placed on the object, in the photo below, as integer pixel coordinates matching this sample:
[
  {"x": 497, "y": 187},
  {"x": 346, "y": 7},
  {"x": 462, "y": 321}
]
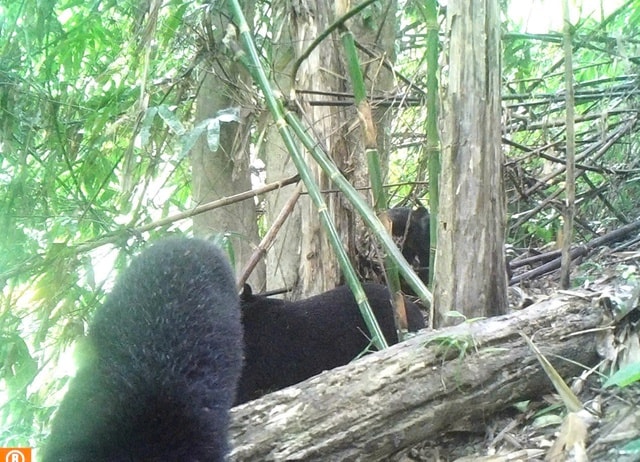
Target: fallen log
[{"x": 417, "y": 390}]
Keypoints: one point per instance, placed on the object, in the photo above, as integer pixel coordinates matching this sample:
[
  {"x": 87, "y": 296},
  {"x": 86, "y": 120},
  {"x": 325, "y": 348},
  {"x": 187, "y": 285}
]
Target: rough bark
[
  {"x": 305, "y": 260},
  {"x": 416, "y": 390},
  {"x": 301, "y": 257},
  {"x": 225, "y": 172},
  {"x": 471, "y": 227}
]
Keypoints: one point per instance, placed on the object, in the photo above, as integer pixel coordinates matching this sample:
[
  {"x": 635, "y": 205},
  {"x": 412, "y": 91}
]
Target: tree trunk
[
  {"x": 226, "y": 171},
  {"x": 302, "y": 255},
  {"x": 418, "y": 389},
  {"x": 470, "y": 273},
  {"x": 297, "y": 257}
]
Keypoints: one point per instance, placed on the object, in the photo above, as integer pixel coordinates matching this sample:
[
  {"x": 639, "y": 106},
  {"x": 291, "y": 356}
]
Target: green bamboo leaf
[
  {"x": 626, "y": 376},
  {"x": 147, "y": 121},
  {"x": 172, "y": 121}
]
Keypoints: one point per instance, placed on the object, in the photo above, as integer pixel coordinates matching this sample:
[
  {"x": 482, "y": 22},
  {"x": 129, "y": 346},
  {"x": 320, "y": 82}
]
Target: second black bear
[
  {"x": 163, "y": 361},
  {"x": 412, "y": 227},
  {"x": 288, "y": 342}
]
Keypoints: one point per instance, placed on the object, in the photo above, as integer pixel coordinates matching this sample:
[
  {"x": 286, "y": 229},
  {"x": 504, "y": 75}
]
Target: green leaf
[
  {"x": 626, "y": 376},
  {"x": 172, "y": 121},
  {"x": 632, "y": 447}
]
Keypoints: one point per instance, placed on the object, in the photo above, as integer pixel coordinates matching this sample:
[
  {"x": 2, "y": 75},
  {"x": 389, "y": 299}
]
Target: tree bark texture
[
  {"x": 226, "y": 171},
  {"x": 470, "y": 274},
  {"x": 415, "y": 391},
  {"x": 302, "y": 256}
]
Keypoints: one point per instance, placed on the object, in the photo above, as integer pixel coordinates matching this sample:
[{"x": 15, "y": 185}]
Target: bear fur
[
  {"x": 412, "y": 227},
  {"x": 161, "y": 364},
  {"x": 288, "y": 342}
]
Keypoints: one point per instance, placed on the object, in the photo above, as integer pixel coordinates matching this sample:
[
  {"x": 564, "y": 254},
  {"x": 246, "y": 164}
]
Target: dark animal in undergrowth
[
  {"x": 162, "y": 362},
  {"x": 412, "y": 227},
  {"x": 288, "y": 342}
]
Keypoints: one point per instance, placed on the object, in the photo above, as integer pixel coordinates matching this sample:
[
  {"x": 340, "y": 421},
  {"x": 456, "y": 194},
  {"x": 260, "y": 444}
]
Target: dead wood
[
  {"x": 576, "y": 252},
  {"x": 419, "y": 389}
]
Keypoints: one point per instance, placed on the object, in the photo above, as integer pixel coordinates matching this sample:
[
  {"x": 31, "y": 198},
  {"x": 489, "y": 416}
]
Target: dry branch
[
  {"x": 554, "y": 256},
  {"x": 414, "y": 391}
]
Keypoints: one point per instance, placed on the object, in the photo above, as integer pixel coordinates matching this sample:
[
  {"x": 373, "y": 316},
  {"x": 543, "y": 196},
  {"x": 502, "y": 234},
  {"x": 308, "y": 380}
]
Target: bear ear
[{"x": 247, "y": 292}]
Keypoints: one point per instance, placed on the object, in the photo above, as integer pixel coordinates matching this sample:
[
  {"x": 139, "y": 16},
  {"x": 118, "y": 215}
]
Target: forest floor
[{"x": 539, "y": 430}]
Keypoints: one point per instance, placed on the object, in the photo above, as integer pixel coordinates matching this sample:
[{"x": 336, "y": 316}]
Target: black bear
[
  {"x": 415, "y": 238},
  {"x": 163, "y": 359},
  {"x": 288, "y": 342}
]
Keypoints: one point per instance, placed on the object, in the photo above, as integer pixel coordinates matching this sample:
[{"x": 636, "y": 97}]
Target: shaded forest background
[{"x": 98, "y": 123}]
